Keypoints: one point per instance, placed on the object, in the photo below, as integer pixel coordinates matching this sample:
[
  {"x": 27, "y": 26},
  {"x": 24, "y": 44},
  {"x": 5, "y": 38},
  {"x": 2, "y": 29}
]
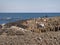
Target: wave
[{"x": 9, "y": 18}]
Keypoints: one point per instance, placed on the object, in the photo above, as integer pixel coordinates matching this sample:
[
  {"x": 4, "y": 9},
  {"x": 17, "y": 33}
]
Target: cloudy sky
[{"x": 29, "y": 6}]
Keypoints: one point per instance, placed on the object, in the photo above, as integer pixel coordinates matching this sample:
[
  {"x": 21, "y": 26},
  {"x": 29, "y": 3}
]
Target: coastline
[
  {"x": 34, "y": 31},
  {"x": 47, "y": 22}
]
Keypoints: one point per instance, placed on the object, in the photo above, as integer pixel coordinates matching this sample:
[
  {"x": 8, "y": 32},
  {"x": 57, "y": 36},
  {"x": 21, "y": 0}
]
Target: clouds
[{"x": 29, "y": 5}]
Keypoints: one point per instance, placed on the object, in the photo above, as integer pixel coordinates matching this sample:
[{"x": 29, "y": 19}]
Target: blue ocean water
[{"x": 21, "y": 16}]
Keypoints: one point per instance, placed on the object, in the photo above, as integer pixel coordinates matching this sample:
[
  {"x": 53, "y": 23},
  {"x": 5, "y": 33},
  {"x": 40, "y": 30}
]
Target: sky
[{"x": 21, "y": 6}]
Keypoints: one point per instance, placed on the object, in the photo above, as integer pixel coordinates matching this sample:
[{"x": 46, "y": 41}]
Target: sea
[{"x": 12, "y": 17}]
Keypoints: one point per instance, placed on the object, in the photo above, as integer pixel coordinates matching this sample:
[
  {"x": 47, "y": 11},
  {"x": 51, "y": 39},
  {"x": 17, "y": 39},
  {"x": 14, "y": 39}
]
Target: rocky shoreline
[
  {"x": 37, "y": 31},
  {"x": 37, "y": 24}
]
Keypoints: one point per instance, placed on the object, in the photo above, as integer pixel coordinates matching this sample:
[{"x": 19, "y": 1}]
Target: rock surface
[{"x": 29, "y": 38}]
